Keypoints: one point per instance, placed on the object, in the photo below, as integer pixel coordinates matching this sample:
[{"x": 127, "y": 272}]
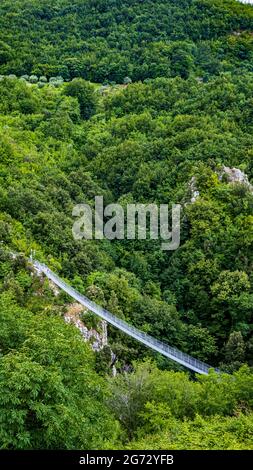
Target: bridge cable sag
[{"x": 168, "y": 351}]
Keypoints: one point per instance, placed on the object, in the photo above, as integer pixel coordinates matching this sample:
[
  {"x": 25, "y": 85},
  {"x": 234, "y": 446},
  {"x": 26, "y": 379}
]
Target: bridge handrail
[{"x": 168, "y": 351}]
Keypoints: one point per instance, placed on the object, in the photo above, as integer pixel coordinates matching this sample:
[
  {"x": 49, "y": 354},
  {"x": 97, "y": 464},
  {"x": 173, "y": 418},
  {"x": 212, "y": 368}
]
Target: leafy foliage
[
  {"x": 174, "y": 109},
  {"x": 109, "y": 41},
  {"x": 50, "y": 394}
]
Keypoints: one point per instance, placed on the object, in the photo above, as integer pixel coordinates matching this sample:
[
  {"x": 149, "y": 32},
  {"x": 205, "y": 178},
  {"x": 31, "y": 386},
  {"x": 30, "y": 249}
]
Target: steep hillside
[
  {"x": 144, "y": 143},
  {"x": 138, "y": 102},
  {"x": 110, "y": 40}
]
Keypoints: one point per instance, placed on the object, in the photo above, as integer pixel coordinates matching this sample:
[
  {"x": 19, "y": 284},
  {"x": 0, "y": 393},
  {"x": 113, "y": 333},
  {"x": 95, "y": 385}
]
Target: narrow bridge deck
[{"x": 172, "y": 353}]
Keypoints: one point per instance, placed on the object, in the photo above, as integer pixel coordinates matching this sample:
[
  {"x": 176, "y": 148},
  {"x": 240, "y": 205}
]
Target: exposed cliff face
[
  {"x": 54, "y": 288},
  {"x": 193, "y": 189},
  {"x": 226, "y": 174},
  {"x": 97, "y": 340},
  {"x": 73, "y": 315},
  {"x": 235, "y": 175}
]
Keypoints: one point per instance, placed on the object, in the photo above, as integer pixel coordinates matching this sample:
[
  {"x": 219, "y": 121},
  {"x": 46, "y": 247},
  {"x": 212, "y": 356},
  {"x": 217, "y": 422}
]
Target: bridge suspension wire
[{"x": 168, "y": 351}]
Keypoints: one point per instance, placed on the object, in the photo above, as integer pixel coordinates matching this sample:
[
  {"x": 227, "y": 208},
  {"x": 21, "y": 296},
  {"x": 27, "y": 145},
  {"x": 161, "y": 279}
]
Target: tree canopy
[{"x": 138, "y": 102}]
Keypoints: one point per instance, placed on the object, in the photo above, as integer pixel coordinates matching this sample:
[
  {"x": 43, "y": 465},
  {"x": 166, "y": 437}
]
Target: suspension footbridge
[{"x": 168, "y": 351}]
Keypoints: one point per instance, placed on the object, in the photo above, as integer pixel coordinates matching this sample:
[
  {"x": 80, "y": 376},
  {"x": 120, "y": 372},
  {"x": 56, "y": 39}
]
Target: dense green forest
[
  {"x": 107, "y": 40},
  {"x": 138, "y": 102}
]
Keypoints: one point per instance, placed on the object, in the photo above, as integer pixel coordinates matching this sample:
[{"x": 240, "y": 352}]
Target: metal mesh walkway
[{"x": 163, "y": 348}]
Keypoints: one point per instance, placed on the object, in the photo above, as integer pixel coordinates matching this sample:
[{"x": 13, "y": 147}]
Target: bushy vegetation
[
  {"x": 102, "y": 41},
  {"x": 144, "y": 143},
  {"x": 51, "y": 396},
  {"x": 187, "y": 113}
]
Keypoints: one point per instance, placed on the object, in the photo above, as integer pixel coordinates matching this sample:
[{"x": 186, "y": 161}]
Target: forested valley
[{"x": 139, "y": 102}]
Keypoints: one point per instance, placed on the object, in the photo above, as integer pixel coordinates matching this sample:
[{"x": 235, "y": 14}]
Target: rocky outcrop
[
  {"x": 97, "y": 340},
  {"x": 235, "y": 175},
  {"x": 226, "y": 174},
  {"x": 194, "y": 193},
  {"x": 54, "y": 288}
]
